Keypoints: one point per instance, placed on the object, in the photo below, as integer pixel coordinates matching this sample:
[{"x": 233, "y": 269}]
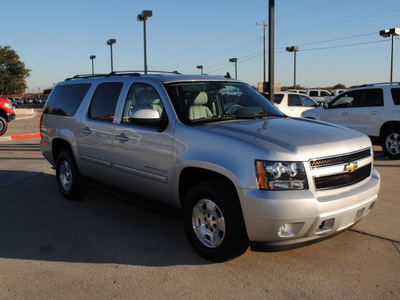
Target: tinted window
[
  {"x": 65, "y": 99},
  {"x": 294, "y": 100},
  {"x": 324, "y": 94},
  {"x": 368, "y": 98},
  {"x": 278, "y": 98},
  {"x": 313, "y": 94},
  {"x": 104, "y": 101},
  {"x": 396, "y": 96}
]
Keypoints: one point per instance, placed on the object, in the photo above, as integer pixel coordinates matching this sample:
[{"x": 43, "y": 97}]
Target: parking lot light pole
[
  {"x": 143, "y": 17},
  {"x": 386, "y": 33},
  {"x": 111, "y": 42},
  {"x": 293, "y": 49},
  {"x": 201, "y": 68},
  {"x": 234, "y": 60},
  {"x": 92, "y": 57}
]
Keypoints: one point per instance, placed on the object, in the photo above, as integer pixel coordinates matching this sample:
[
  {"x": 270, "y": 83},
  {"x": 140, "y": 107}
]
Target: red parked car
[{"x": 6, "y": 114}]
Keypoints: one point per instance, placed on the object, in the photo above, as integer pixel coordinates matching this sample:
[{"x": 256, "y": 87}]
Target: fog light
[{"x": 281, "y": 230}]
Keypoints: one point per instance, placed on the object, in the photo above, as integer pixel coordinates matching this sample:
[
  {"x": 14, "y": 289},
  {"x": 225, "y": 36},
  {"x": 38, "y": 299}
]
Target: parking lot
[{"x": 106, "y": 247}]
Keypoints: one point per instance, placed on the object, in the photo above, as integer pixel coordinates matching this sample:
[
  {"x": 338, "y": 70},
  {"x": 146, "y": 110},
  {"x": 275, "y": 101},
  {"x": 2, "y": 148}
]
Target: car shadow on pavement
[{"x": 37, "y": 223}]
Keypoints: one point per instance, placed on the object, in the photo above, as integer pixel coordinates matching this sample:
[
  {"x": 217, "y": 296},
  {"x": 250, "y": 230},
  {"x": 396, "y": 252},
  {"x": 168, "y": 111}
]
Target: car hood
[{"x": 294, "y": 138}]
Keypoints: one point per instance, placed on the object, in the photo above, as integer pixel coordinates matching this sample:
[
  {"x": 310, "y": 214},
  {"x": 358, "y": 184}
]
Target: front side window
[
  {"x": 141, "y": 96},
  {"x": 212, "y": 101},
  {"x": 104, "y": 101},
  {"x": 307, "y": 102}
]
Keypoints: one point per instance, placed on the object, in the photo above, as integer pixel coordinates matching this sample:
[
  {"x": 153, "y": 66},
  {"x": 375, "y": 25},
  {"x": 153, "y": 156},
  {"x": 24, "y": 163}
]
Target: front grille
[
  {"x": 329, "y": 161},
  {"x": 340, "y": 180}
]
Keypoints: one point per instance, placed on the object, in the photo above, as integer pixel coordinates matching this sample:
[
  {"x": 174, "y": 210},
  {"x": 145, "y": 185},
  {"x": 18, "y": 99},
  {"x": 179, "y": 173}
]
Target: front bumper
[
  {"x": 284, "y": 218},
  {"x": 10, "y": 117}
]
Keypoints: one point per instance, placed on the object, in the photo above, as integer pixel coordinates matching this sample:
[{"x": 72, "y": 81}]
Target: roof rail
[
  {"x": 118, "y": 73},
  {"x": 381, "y": 83}
]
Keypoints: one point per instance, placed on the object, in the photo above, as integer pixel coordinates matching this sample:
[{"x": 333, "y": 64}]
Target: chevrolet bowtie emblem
[{"x": 351, "y": 167}]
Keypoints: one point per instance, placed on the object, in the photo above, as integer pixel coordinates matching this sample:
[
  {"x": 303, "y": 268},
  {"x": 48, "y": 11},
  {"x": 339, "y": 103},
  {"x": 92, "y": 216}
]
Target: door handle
[
  {"x": 122, "y": 138},
  {"x": 375, "y": 113},
  {"x": 345, "y": 113},
  {"x": 86, "y": 131}
]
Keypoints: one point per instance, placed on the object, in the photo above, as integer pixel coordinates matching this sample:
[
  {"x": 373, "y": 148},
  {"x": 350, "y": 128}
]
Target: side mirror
[{"x": 148, "y": 118}]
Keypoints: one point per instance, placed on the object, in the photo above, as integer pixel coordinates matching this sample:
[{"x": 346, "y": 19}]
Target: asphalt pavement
[{"x": 105, "y": 248}]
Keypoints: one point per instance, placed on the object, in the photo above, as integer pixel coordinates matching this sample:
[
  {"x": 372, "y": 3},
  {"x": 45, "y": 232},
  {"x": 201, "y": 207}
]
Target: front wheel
[
  {"x": 3, "y": 126},
  {"x": 214, "y": 223},
  {"x": 391, "y": 143},
  {"x": 69, "y": 179}
]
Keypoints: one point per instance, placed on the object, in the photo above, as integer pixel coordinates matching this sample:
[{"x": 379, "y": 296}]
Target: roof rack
[
  {"x": 381, "y": 83},
  {"x": 118, "y": 73}
]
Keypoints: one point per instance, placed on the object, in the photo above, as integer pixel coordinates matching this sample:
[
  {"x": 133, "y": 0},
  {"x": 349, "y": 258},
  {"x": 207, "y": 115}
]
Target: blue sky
[{"x": 339, "y": 40}]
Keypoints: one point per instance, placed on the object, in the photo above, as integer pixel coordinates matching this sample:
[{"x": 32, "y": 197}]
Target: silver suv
[
  {"x": 373, "y": 109},
  {"x": 241, "y": 171}
]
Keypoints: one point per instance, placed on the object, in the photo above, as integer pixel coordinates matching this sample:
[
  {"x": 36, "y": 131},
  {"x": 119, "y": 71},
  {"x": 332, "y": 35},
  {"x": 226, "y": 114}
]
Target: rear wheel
[
  {"x": 391, "y": 143},
  {"x": 69, "y": 179},
  {"x": 214, "y": 223},
  {"x": 3, "y": 126}
]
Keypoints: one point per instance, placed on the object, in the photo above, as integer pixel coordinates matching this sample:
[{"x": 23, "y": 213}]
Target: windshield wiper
[
  {"x": 213, "y": 119},
  {"x": 258, "y": 116}
]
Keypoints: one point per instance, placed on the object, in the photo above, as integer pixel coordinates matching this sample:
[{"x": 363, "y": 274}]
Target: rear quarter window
[
  {"x": 65, "y": 99},
  {"x": 396, "y": 96}
]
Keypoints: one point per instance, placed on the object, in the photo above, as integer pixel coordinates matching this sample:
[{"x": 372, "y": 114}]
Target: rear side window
[
  {"x": 313, "y": 94},
  {"x": 104, "y": 101},
  {"x": 278, "y": 98},
  {"x": 396, "y": 96},
  {"x": 65, "y": 99},
  {"x": 294, "y": 100}
]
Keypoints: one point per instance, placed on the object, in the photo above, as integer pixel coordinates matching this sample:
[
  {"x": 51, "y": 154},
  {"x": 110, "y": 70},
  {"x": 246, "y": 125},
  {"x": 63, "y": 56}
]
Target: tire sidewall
[
  {"x": 383, "y": 142},
  {"x": 4, "y": 126},
  {"x": 235, "y": 240},
  {"x": 77, "y": 187}
]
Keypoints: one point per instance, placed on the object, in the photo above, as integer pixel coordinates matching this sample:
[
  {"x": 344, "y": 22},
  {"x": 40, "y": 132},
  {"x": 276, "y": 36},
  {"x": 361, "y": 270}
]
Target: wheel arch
[
  {"x": 387, "y": 125},
  {"x": 191, "y": 176},
  {"x": 59, "y": 145}
]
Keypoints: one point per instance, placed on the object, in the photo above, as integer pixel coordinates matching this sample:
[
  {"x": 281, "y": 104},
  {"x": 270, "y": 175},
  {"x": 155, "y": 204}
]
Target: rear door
[
  {"x": 97, "y": 131},
  {"x": 366, "y": 111}
]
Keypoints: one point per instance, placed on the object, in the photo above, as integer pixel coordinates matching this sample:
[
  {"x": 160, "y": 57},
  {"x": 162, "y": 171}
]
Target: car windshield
[{"x": 214, "y": 101}]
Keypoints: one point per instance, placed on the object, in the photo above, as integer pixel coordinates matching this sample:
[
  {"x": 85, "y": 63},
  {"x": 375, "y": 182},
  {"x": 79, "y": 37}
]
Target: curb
[{"x": 20, "y": 137}]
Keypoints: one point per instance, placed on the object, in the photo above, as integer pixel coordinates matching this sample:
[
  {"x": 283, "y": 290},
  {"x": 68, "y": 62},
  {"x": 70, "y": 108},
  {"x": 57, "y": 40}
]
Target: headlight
[
  {"x": 273, "y": 175},
  {"x": 9, "y": 105}
]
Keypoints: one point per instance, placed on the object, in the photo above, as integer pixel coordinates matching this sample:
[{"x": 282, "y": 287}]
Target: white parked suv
[
  {"x": 293, "y": 104},
  {"x": 241, "y": 171},
  {"x": 373, "y": 109}
]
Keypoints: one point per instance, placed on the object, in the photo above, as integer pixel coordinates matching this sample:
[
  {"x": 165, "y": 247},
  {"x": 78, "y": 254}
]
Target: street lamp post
[
  {"x": 110, "y": 42},
  {"x": 143, "y": 17},
  {"x": 293, "y": 49},
  {"x": 201, "y": 68},
  {"x": 234, "y": 60},
  {"x": 92, "y": 57},
  {"x": 386, "y": 33}
]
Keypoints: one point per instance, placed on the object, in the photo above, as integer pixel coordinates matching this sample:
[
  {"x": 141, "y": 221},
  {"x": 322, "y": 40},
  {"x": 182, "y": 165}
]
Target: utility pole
[
  {"x": 265, "y": 63},
  {"x": 271, "y": 49}
]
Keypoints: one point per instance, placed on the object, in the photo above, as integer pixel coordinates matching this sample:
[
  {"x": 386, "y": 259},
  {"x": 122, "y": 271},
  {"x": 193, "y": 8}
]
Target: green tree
[{"x": 13, "y": 72}]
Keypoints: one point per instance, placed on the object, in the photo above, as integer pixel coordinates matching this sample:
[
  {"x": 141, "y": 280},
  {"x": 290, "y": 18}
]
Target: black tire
[
  {"x": 215, "y": 209},
  {"x": 390, "y": 142},
  {"x": 69, "y": 179},
  {"x": 3, "y": 126}
]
